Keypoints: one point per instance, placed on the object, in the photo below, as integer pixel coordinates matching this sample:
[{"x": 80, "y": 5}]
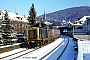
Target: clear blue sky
[{"x": 22, "y": 6}]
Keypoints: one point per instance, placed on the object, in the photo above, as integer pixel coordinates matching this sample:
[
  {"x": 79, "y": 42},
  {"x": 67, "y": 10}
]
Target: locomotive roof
[
  {"x": 41, "y": 24},
  {"x": 47, "y": 23}
]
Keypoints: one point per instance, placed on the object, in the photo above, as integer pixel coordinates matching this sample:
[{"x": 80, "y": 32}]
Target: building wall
[
  {"x": 83, "y": 37},
  {"x": 19, "y": 26},
  {"x": 86, "y": 25},
  {"x": 69, "y": 25}
]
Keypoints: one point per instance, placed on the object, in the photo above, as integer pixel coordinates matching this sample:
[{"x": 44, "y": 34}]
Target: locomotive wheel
[
  {"x": 27, "y": 45},
  {"x": 32, "y": 44},
  {"x": 36, "y": 43},
  {"x": 40, "y": 43}
]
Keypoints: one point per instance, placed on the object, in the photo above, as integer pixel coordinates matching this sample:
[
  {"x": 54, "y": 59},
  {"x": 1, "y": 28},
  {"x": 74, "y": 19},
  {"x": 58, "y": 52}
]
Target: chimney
[
  {"x": 16, "y": 13},
  {"x": 24, "y": 16}
]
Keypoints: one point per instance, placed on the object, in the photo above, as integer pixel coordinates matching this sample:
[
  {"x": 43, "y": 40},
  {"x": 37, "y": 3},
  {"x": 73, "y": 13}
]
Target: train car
[{"x": 40, "y": 36}]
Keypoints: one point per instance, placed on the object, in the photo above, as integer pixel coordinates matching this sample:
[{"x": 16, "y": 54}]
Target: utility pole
[{"x": 15, "y": 10}]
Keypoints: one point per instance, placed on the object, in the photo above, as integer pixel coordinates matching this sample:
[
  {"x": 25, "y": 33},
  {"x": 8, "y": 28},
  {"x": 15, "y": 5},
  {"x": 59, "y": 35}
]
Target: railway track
[
  {"x": 21, "y": 53},
  {"x": 12, "y": 54},
  {"x": 63, "y": 50},
  {"x": 47, "y": 55},
  {"x": 24, "y": 52}
]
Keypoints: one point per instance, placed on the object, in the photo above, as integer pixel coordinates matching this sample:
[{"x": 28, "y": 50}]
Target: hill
[{"x": 71, "y": 14}]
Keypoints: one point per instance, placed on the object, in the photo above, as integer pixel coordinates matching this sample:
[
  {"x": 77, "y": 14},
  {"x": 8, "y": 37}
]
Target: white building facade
[{"x": 84, "y": 23}]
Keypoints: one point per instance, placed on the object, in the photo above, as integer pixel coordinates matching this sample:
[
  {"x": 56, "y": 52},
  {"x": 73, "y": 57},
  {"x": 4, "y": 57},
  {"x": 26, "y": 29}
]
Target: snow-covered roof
[
  {"x": 64, "y": 23},
  {"x": 78, "y": 24},
  {"x": 48, "y": 23},
  {"x": 14, "y": 16},
  {"x": 3, "y": 11},
  {"x": 24, "y": 20},
  {"x": 70, "y": 22},
  {"x": 84, "y": 18}
]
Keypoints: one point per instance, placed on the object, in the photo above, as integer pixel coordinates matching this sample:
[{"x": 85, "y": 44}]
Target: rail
[
  {"x": 18, "y": 55},
  {"x": 38, "y": 54},
  {"x": 44, "y": 57},
  {"x": 63, "y": 50},
  {"x": 22, "y": 54},
  {"x": 50, "y": 51},
  {"x": 12, "y": 54},
  {"x": 27, "y": 51}
]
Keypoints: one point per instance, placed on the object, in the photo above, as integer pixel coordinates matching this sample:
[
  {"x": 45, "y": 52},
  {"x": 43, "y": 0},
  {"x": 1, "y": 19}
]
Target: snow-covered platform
[
  {"x": 84, "y": 50},
  {"x": 38, "y": 54},
  {"x": 11, "y": 52}
]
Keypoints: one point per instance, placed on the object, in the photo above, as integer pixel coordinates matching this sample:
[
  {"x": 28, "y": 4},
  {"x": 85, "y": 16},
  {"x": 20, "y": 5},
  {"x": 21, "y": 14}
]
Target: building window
[
  {"x": 21, "y": 18},
  {"x": 15, "y": 26},
  {"x": 80, "y": 27},
  {"x": 0, "y": 13},
  {"x": 17, "y": 17},
  {"x": 22, "y": 25},
  {"x": 19, "y": 26}
]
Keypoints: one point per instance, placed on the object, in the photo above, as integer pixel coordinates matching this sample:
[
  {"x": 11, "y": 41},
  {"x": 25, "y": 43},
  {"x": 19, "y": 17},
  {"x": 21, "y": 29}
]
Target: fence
[{"x": 83, "y": 37}]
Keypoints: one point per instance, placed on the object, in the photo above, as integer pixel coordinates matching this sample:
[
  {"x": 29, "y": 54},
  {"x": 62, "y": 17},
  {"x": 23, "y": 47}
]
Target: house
[
  {"x": 86, "y": 25},
  {"x": 65, "y": 26},
  {"x": 82, "y": 25},
  {"x": 19, "y": 22}
]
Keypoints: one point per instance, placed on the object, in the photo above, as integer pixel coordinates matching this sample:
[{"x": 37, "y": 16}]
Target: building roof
[
  {"x": 47, "y": 23},
  {"x": 84, "y": 18},
  {"x": 64, "y": 23},
  {"x": 81, "y": 21},
  {"x": 78, "y": 24},
  {"x": 70, "y": 22},
  {"x": 14, "y": 16}
]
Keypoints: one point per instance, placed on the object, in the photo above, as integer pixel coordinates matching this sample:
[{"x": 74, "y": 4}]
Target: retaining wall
[
  {"x": 83, "y": 37},
  {"x": 80, "y": 52}
]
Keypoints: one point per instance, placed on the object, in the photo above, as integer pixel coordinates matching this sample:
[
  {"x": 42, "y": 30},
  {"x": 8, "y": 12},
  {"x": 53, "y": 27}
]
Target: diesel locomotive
[{"x": 40, "y": 34}]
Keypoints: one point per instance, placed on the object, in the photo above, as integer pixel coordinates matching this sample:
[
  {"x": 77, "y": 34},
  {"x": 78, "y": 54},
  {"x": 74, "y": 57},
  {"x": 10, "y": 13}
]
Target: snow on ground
[
  {"x": 69, "y": 53},
  {"x": 36, "y": 55},
  {"x": 85, "y": 45},
  {"x": 11, "y": 52},
  {"x": 86, "y": 56},
  {"x": 54, "y": 55},
  {"x": 19, "y": 54},
  {"x": 10, "y": 45}
]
